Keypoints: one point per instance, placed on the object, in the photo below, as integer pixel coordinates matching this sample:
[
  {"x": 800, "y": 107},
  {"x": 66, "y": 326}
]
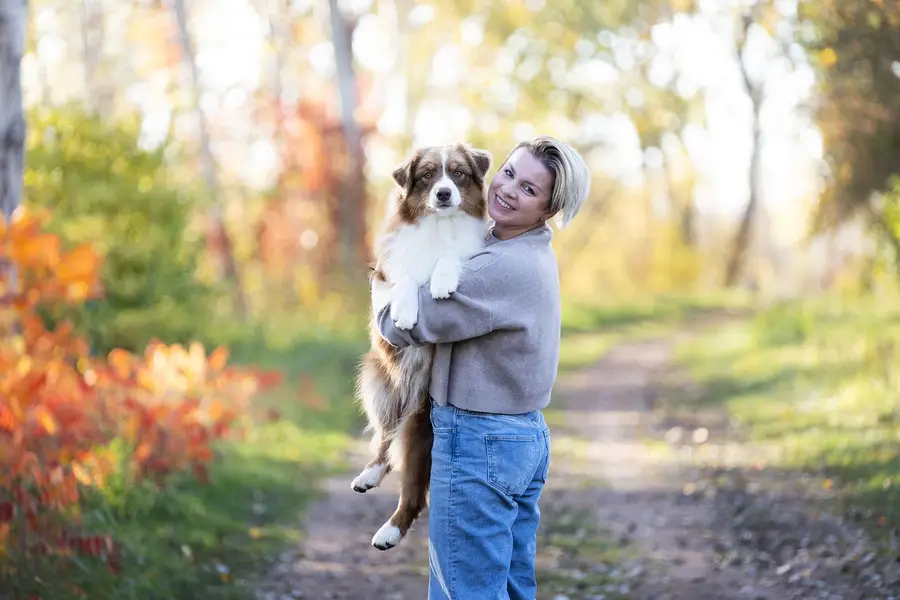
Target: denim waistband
[{"x": 535, "y": 416}]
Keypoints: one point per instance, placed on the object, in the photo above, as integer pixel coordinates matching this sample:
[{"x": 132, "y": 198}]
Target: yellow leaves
[
  {"x": 681, "y": 5},
  {"x": 46, "y": 419},
  {"x": 175, "y": 369},
  {"x": 827, "y": 57},
  {"x": 255, "y": 533}
]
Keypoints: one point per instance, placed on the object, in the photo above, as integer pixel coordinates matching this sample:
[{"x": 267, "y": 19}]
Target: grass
[
  {"x": 190, "y": 539},
  {"x": 194, "y": 540},
  {"x": 816, "y": 383},
  {"x": 589, "y": 330}
]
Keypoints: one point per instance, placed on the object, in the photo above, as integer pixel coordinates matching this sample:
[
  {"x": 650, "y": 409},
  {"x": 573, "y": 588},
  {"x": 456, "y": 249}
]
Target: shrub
[
  {"x": 101, "y": 186},
  {"x": 69, "y": 421}
]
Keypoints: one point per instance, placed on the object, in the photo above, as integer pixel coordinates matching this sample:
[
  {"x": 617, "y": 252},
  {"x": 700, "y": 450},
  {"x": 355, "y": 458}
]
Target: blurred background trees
[
  {"x": 243, "y": 152},
  {"x": 230, "y": 159}
]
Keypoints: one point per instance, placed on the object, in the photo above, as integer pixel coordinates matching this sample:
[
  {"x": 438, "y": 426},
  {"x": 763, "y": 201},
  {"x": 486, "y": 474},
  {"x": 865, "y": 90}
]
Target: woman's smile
[{"x": 502, "y": 204}]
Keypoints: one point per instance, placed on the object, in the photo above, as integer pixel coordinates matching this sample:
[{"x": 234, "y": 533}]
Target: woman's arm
[{"x": 466, "y": 314}]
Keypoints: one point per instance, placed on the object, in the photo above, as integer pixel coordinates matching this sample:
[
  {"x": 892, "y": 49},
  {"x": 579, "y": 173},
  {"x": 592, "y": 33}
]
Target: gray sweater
[{"x": 497, "y": 336}]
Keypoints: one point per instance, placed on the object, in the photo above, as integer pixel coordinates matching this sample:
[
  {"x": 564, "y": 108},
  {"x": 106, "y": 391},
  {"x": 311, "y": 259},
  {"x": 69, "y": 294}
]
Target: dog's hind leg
[
  {"x": 376, "y": 469},
  {"x": 381, "y": 405},
  {"x": 416, "y": 438}
]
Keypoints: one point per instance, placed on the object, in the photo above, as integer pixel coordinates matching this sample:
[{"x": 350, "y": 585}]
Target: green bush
[
  {"x": 99, "y": 185},
  {"x": 784, "y": 324}
]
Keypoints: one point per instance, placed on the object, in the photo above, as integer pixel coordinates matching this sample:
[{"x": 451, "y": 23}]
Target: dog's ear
[
  {"x": 401, "y": 173},
  {"x": 482, "y": 159},
  {"x": 404, "y": 172}
]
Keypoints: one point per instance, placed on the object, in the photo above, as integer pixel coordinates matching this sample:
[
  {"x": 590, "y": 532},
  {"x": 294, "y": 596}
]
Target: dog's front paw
[
  {"x": 381, "y": 294},
  {"x": 443, "y": 283},
  {"x": 405, "y": 311}
]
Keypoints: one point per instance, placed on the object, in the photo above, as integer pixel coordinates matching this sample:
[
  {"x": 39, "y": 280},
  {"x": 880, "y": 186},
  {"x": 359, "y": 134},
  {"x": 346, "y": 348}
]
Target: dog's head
[{"x": 443, "y": 180}]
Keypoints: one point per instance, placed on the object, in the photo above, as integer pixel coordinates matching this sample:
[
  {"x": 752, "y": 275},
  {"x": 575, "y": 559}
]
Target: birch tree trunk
[
  {"x": 13, "y": 14},
  {"x": 352, "y": 199},
  {"x": 210, "y": 174}
]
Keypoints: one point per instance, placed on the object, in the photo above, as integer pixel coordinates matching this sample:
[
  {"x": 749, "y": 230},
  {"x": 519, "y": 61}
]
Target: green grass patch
[
  {"x": 819, "y": 382},
  {"x": 589, "y": 331}
]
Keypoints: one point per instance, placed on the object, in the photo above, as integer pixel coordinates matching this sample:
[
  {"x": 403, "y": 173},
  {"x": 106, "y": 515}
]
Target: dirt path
[
  {"x": 621, "y": 518},
  {"x": 643, "y": 503}
]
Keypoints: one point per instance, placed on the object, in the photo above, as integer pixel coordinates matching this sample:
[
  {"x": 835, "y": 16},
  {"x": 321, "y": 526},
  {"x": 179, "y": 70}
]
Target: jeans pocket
[
  {"x": 512, "y": 461},
  {"x": 441, "y": 419}
]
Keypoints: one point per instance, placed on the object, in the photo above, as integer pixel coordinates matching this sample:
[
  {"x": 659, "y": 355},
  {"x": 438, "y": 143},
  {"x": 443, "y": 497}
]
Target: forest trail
[{"x": 620, "y": 516}]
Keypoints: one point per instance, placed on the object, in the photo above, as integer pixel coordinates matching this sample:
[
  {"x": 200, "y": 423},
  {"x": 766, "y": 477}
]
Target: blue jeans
[{"x": 487, "y": 474}]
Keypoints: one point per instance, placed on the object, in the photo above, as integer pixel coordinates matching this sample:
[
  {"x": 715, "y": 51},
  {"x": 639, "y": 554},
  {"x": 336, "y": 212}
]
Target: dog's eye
[
  {"x": 427, "y": 175},
  {"x": 460, "y": 174}
]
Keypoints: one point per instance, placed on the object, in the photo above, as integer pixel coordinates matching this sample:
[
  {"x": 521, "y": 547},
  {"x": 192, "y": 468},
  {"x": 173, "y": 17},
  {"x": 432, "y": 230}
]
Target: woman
[{"x": 496, "y": 360}]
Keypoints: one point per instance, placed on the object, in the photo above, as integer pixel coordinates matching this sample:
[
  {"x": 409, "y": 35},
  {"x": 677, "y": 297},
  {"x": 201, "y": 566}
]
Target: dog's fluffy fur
[{"x": 437, "y": 220}]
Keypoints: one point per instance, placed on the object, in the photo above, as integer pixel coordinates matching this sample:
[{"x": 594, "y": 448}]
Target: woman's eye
[
  {"x": 507, "y": 172},
  {"x": 529, "y": 190}
]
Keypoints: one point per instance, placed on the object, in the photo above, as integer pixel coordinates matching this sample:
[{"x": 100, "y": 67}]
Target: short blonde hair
[{"x": 571, "y": 176}]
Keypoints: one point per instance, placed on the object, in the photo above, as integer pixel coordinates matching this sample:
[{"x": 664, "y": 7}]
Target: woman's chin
[{"x": 497, "y": 216}]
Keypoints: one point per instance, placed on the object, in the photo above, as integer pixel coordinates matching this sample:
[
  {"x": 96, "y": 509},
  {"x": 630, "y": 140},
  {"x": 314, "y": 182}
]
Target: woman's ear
[{"x": 549, "y": 215}]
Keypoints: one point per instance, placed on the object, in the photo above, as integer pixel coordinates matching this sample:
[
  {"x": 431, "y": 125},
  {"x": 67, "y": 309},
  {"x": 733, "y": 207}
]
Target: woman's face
[{"x": 519, "y": 195}]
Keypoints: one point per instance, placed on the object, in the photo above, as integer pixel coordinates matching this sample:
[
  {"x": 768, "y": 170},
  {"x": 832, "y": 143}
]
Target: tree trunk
[
  {"x": 738, "y": 256},
  {"x": 352, "y": 197},
  {"x": 681, "y": 205},
  {"x": 13, "y": 16},
  {"x": 98, "y": 93},
  {"x": 217, "y": 222}
]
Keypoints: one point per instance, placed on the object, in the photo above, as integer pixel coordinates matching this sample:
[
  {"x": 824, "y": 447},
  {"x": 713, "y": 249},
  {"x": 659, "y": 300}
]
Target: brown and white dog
[{"x": 438, "y": 219}]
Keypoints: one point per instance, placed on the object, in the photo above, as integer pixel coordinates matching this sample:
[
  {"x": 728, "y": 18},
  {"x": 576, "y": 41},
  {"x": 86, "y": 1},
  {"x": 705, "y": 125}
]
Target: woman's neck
[{"x": 503, "y": 234}]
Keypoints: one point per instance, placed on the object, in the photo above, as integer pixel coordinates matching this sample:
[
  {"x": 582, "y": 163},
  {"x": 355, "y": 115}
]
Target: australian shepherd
[{"x": 437, "y": 220}]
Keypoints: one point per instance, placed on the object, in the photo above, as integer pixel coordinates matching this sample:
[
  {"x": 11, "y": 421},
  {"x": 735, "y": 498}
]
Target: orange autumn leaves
[
  {"x": 61, "y": 408},
  {"x": 46, "y": 271}
]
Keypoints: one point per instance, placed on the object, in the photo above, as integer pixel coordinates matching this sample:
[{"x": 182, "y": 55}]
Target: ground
[{"x": 627, "y": 513}]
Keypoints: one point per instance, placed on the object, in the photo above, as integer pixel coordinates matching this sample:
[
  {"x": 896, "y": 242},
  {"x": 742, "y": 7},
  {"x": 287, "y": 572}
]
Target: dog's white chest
[{"x": 415, "y": 249}]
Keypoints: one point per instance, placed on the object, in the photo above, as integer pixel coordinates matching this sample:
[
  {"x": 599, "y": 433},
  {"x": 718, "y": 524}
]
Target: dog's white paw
[
  {"x": 369, "y": 478},
  {"x": 387, "y": 537},
  {"x": 381, "y": 295},
  {"x": 405, "y": 311},
  {"x": 443, "y": 283}
]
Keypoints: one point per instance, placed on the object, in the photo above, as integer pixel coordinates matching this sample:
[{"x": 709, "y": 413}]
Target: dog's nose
[{"x": 443, "y": 195}]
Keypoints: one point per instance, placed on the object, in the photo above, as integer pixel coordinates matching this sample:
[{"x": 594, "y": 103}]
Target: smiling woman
[
  {"x": 539, "y": 179},
  {"x": 495, "y": 362}
]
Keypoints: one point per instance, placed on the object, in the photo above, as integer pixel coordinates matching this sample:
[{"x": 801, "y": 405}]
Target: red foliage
[{"x": 60, "y": 408}]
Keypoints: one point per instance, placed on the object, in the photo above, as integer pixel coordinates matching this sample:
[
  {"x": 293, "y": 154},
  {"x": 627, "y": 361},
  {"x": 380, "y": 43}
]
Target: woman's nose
[{"x": 508, "y": 189}]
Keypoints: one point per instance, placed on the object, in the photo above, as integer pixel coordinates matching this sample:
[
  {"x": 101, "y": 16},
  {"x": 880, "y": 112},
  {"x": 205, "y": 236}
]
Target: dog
[{"x": 437, "y": 220}]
